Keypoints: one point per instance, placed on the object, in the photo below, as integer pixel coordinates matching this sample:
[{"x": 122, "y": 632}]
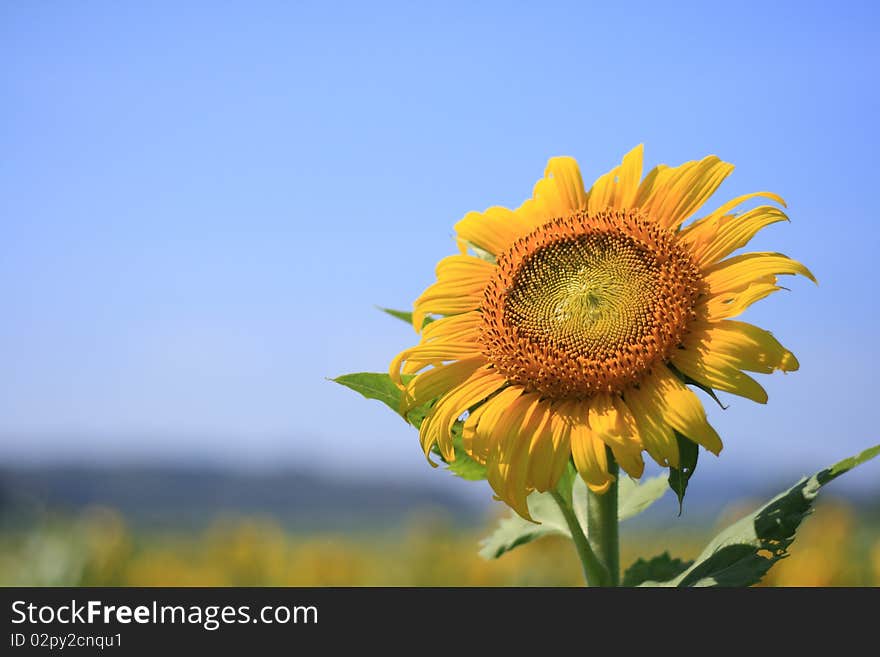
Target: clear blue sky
[{"x": 201, "y": 202}]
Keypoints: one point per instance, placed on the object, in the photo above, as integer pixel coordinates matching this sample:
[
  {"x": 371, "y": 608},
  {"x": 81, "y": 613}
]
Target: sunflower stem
[
  {"x": 594, "y": 572},
  {"x": 602, "y": 525}
]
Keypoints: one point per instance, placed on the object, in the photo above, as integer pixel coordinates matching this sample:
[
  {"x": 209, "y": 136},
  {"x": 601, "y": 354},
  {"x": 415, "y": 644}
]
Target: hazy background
[{"x": 201, "y": 202}]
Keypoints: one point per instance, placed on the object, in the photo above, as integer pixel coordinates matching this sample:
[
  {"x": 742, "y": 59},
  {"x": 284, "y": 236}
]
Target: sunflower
[{"x": 571, "y": 326}]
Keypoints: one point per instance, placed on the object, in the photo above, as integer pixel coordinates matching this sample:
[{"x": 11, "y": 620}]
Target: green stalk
[
  {"x": 594, "y": 573},
  {"x": 602, "y": 525}
]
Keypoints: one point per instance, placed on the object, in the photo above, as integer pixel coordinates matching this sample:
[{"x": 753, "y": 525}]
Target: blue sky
[{"x": 201, "y": 203}]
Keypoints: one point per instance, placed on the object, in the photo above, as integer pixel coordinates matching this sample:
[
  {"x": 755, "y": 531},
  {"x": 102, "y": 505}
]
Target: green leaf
[
  {"x": 688, "y": 453},
  {"x": 379, "y": 386},
  {"x": 373, "y": 385},
  {"x": 634, "y": 497},
  {"x": 743, "y": 553},
  {"x": 659, "y": 568},
  {"x": 832, "y": 473},
  {"x": 465, "y": 467},
  {"x": 405, "y": 316},
  {"x": 417, "y": 414},
  {"x": 512, "y": 531}
]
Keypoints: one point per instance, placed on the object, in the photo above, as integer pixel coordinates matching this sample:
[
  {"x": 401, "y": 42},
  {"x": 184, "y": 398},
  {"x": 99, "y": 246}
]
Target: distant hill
[
  {"x": 185, "y": 495},
  {"x": 160, "y": 495}
]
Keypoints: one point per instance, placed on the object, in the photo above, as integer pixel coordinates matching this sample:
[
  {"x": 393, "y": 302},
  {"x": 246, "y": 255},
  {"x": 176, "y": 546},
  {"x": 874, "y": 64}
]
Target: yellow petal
[
  {"x": 611, "y": 421},
  {"x": 730, "y": 205},
  {"x": 493, "y": 230},
  {"x": 628, "y": 179},
  {"x": 654, "y": 180},
  {"x": 608, "y": 422},
  {"x": 477, "y": 451},
  {"x": 545, "y": 452},
  {"x": 464, "y": 270},
  {"x": 446, "y": 339},
  {"x": 436, "y": 382},
  {"x": 588, "y": 451},
  {"x": 716, "y": 371},
  {"x": 680, "y": 408},
  {"x": 461, "y": 281},
  {"x": 747, "y": 346},
  {"x": 676, "y": 193},
  {"x": 590, "y": 458},
  {"x": 602, "y": 192},
  {"x": 731, "y": 304},
  {"x": 562, "y": 186},
  {"x": 618, "y": 188},
  {"x": 454, "y": 327},
  {"x": 715, "y": 237},
  {"x": 479, "y": 427},
  {"x": 739, "y": 272},
  {"x": 507, "y": 464},
  {"x": 437, "y": 353},
  {"x": 520, "y": 450},
  {"x": 701, "y": 226},
  {"x": 437, "y": 426},
  {"x": 715, "y": 353},
  {"x": 558, "y": 194},
  {"x": 628, "y": 454},
  {"x": 630, "y": 460},
  {"x": 561, "y": 437},
  {"x": 656, "y": 434},
  {"x": 692, "y": 190}
]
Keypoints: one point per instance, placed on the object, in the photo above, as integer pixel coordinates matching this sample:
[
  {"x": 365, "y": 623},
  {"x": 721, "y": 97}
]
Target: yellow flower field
[{"x": 837, "y": 546}]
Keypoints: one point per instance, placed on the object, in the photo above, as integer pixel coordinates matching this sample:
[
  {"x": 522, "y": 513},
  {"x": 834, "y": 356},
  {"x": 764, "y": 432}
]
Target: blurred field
[{"x": 837, "y": 546}]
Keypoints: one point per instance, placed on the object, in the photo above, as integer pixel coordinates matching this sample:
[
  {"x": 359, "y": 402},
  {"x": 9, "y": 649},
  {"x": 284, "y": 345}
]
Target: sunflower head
[
  {"x": 568, "y": 327},
  {"x": 587, "y": 303}
]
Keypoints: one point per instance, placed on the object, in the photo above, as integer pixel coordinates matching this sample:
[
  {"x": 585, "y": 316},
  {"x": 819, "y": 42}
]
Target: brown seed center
[{"x": 588, "y": 303}]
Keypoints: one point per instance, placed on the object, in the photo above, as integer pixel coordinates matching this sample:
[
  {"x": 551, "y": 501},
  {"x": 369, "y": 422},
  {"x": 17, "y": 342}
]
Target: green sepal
[
  {"x": 405, "y": 316},
  {"x": 482, "y": 254},
  {"x": 688, "y": 454},
  {"x": 693, "y": 382}
]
